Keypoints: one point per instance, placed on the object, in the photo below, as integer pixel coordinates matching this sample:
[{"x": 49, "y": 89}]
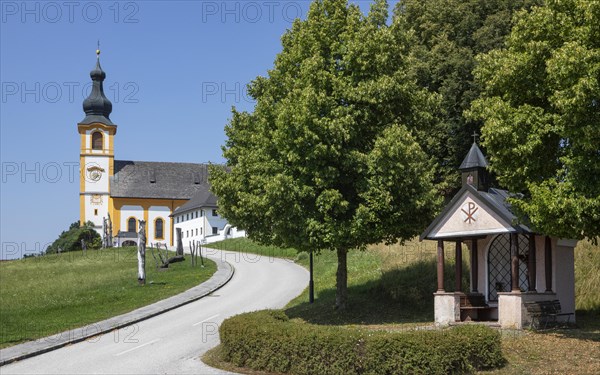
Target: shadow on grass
[
  {"x": 587, "y": 328},
  {"x": 403, "y": 295}
]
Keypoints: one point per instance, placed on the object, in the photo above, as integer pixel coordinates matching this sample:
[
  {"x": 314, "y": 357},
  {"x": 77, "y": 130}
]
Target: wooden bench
[
  {"x": 545, "y": 311},
  {"x": 473, "y": 307}
]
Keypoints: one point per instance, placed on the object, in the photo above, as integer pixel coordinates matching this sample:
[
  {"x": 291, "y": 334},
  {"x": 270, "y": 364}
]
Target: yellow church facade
[{"x": 128, "y": 191}]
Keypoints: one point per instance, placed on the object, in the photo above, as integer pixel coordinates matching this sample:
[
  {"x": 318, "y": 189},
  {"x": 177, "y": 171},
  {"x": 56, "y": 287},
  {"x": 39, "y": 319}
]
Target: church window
[
  {"x": 131, "y": 223},
  {"x": 95, "y": 212},
  {"x": 215, "y": 230},
  {"x": 200, "y": 230},
  {"x": 214, "y": 213},
  {"x": 97, "y": 141},
  {"x": 159, "y": 228},
  {"x": 196, "y": 231}
]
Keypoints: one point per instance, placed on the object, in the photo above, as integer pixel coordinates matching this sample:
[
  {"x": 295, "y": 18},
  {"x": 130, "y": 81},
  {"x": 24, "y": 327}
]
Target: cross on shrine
[{"x": 470, "y": 212}]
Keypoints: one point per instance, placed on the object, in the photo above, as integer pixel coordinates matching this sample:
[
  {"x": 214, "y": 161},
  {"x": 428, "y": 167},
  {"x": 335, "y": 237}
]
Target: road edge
[{"x": 222, "y": 276}]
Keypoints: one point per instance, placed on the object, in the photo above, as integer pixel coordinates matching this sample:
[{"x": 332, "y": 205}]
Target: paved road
[{"x": 172, "y": 343}]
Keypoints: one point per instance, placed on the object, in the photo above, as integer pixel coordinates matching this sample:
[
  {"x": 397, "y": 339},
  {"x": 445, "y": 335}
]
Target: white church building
[{"x": 168, "y": 196}]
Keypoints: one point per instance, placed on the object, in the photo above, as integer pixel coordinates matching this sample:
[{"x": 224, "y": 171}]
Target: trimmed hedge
[{"x": 269, "y": 341}]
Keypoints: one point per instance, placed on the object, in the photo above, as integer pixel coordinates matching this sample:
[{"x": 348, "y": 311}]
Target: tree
[
  {"x": 70, "y": 240},
  {"x": 541, "y": 108},
  {"x": 329, "y": 160},
  {"x": 447, "y": 35}
]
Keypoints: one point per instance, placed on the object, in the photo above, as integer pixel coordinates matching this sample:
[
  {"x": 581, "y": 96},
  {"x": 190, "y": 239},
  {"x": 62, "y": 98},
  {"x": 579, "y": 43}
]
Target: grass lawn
[
  {"x": 391, "y": 288},
  {"x": 45, "y": 295}
]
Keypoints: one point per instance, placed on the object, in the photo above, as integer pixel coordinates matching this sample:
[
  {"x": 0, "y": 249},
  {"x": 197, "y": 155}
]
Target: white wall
[
  {"x": 564, "y": 279},
  {"x": 131, "y": 211},
  {"x": 154, "y": 213},
  {"x": 213, "y": 222},
  {"x": 201, "y": 227},
  {"x": 192, "y": 227},
  {"x": 95, "y": 188},
  {"x": 90, "y": 208}
]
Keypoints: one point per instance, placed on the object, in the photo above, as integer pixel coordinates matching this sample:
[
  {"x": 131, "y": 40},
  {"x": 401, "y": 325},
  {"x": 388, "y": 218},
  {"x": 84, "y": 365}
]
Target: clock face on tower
[{"x": 94, "y": 173}]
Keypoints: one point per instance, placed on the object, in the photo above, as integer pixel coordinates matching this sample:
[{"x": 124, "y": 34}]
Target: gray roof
[
  {"x": 159, "y": 180},
  {"x": 203, "y": 198},
  {"x": 474, "y": 159},
  {"x": 92, "y": 119},
  {"x": 498, "y": 199}
]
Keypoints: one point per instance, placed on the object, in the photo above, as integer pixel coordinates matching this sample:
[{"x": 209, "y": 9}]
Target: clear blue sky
[{"x": 174, "y": 70}]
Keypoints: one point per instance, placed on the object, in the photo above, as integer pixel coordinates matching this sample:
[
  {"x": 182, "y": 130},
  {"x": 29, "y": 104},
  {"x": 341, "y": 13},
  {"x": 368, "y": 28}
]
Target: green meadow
[{"x": 49, "y": 294}]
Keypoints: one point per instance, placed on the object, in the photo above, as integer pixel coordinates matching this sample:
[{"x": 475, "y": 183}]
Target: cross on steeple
[
  {"x": 98, "y": 50},
  {"x": 475, "y": 136}
]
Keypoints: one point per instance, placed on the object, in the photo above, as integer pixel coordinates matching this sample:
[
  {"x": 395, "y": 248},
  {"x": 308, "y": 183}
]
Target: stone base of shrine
[
  {"x": 512, "y": 312},
  {"x": 446, "y": 308}
]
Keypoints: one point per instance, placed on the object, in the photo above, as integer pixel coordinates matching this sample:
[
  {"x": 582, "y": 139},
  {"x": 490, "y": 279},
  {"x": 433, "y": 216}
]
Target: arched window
[
  {"x": 131, "y": 223},
  {"x": 158, "y": 228},
  {"x": 97, "y": 141},
  {"x": 499, "y": 265}
]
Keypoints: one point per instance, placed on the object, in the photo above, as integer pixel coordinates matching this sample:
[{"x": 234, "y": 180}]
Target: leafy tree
[
  {"x": 447, "y": 35},
  {"x": 329, "y": 160},
  {"x": 541, "y": 107},
  {"x": 70, "y": 240}
]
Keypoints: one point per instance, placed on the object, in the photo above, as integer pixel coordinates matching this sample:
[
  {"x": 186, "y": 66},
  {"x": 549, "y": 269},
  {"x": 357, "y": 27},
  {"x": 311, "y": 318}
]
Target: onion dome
[{"x": 96, "y": 106}]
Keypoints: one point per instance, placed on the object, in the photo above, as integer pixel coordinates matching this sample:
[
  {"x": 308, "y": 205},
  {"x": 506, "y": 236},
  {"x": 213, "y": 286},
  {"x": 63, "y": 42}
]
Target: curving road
[{"x": 172, "y": 343}]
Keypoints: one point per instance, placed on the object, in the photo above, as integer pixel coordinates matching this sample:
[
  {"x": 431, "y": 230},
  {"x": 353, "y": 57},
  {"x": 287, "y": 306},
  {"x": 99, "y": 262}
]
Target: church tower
[{"x": 96, "y": 160}]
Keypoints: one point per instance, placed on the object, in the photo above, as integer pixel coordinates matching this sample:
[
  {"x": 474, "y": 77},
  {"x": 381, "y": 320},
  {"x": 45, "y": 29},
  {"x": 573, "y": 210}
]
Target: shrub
[
  {"x": 70, "y": 240},
  {"x": 270, "y": 341}
]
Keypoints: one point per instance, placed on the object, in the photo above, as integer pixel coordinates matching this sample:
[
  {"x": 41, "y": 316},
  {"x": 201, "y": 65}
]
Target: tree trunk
[
  {"x": 341, "y": 295},
  {"x": 179, "y": 250},
  {"x": 141, "y": 264},
  {"x": 142, "y": 253}
]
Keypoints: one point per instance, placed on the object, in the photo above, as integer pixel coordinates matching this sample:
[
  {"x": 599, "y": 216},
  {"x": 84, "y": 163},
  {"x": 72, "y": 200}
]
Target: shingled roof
[
  {"x": 203, "y": 198},
  {"x": 158, "y": 180}
]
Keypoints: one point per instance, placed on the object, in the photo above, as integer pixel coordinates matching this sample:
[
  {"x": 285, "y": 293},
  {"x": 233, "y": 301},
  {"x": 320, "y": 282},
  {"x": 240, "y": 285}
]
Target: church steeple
[
  {"x": 96, "y": 156},
  {"x": 97, "y": 107},
  {"x": 474, "y": 168}
]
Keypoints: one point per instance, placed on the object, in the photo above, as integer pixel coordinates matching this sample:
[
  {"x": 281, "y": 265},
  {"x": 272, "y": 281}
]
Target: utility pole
[{"x": 311, "y": 283}]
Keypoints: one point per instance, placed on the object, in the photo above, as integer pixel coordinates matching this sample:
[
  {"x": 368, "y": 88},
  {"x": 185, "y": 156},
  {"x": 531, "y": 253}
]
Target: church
[{"x": 169, "y": 197}]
